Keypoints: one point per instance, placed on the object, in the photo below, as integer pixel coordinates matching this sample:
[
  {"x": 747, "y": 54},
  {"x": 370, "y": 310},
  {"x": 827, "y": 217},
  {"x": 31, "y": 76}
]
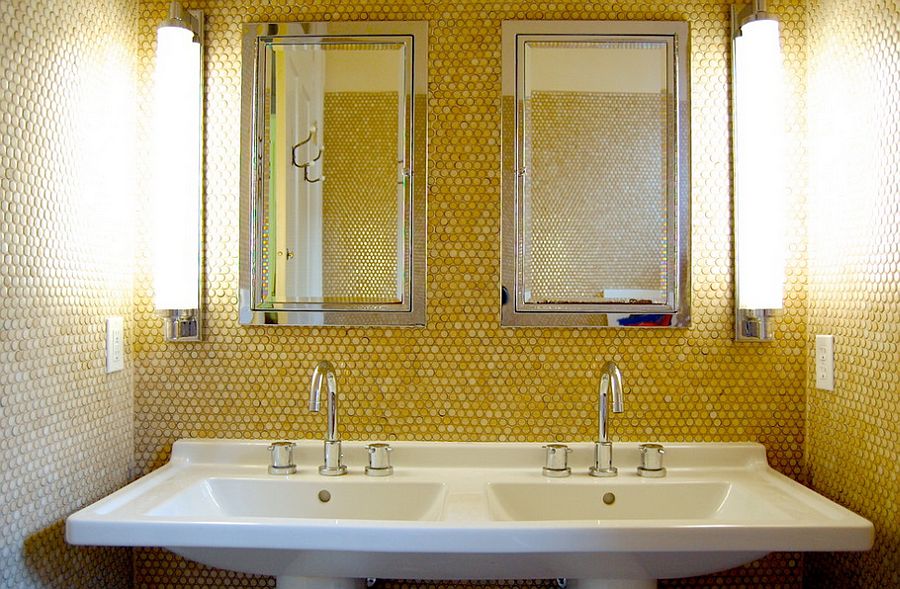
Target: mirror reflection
[
  {"x": 596, "y": 120},
  {"x": 596, "y": 190},
  {"x": 333, "y": 173},
  {"x": 335, "y": 124}
]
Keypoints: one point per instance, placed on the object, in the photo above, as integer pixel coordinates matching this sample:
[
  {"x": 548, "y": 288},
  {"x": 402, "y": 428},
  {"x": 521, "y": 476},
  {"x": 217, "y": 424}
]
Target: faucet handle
[
  {"x": 651, "y": 461},
  {"x": 379, "y": 460},
  {"x": 282, "y": 458},
  {"x": 557, "y": 463}
]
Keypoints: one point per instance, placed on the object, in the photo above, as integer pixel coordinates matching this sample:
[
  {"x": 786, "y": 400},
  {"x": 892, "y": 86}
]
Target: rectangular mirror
[
  {"x": 333, "y": 174},
  {"x": 596, "y": 226}
]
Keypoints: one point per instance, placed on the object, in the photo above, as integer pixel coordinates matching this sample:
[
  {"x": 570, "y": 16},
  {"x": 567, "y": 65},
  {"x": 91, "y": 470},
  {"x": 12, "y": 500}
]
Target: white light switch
[
  {"x": 115, "y": 344},
  {"x": 825, "y": 362}
]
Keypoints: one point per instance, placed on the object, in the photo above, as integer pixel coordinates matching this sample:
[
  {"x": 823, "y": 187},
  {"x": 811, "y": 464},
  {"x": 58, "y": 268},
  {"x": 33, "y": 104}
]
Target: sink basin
[
  {"x": 629, "y": 500},
  {"x": 284, "y": 497},
  {"x": 469, "y": 511}
]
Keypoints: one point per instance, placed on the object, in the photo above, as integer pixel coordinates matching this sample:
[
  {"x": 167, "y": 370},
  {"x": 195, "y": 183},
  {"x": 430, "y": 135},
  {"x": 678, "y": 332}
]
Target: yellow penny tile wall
[
  {"x": 581, "y": 134},
  {"x": 854, "y": 288},
  {"x": 463, "y": 377},
  {"x": 67, "y": 194},
  {"x": 359, "y": 197}
]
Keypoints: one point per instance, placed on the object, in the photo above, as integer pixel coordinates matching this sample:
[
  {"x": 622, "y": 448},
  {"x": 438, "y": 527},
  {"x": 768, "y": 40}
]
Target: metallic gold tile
[
  {"x": 67, "y": 194},
  {"x": 854, "y": 277},
  {"x": 576, "y": 155},
  {"x": 360, "y": 208}
]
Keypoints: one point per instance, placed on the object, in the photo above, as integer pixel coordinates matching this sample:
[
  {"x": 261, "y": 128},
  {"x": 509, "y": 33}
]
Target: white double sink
[{"x": 469, "y": 511}]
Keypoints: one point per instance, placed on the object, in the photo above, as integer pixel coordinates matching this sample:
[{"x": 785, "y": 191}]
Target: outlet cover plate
[
  {"x": 825, "y": 362},
  {"x": 115, "y": 344}
]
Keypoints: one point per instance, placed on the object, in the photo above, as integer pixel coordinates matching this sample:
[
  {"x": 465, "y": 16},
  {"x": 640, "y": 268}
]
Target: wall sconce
[
  {"x": 177, "y": 198},
  {"x": 759, "y": 176}
]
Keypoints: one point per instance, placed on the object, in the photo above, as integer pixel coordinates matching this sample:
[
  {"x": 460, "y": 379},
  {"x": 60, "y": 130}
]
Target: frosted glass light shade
[
  {"x": 176, "y": 174},
  {"x": 759, "y": 170}
]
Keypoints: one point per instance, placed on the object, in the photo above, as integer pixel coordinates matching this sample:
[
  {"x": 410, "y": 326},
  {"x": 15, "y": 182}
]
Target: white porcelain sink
[
  {"x": 629, "y": 499},
  {"x": 469, "y": 511},
  {"x": 287, "y": 497}
]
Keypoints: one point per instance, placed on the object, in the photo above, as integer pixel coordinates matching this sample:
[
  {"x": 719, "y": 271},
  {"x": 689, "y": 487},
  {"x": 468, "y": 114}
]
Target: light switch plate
[
  {"x": 115, "y": 344},
  {"x": 825, "y": 362}
]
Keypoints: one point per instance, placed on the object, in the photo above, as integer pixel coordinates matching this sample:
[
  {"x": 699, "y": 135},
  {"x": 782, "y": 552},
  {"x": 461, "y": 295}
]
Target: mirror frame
[
  {"x": 409, "y": 312},
  {"x": 514, "y": 312}
]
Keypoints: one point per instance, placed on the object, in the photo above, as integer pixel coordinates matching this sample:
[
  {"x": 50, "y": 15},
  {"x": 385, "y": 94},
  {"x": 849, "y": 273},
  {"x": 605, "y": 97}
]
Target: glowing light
[
  {"x": 759, "y": 171},
  {"x": 176, "y": 180}
]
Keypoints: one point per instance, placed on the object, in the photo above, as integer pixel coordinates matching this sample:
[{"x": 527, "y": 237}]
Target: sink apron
[
  {"x": 286, "y": 582},
  {"x": 319, "y": 583},
  {"x": 611, "y": 584}
]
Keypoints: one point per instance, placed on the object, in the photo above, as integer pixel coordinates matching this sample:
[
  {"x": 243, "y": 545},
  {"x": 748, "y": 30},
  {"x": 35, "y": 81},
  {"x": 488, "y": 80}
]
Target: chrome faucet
[
  {"x": 610, "y": 382},
  {"x": 325, "y": 372}
]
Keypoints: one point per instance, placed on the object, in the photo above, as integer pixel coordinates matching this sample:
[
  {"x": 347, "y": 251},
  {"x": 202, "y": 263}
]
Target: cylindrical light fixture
[
  {"x": 759, "y": 171},
  {"x": 177, "y": 197}
]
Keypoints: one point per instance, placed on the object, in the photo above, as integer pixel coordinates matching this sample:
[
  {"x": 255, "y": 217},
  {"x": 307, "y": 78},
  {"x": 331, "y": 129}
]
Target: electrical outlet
[
  {"x": 115, "y": 344},
  {"x": 825, "y": 362}
]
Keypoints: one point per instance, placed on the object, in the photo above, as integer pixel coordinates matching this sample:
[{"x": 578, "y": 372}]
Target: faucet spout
[
  {"x": 324, "y": 374},
  {"x": 610, "y": 384}
]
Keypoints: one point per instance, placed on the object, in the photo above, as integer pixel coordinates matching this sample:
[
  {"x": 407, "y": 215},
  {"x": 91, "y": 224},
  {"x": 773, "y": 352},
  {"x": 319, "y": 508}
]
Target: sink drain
[
  {"x": 609, "y": 498},
  {"x": 324, "y": 496}
]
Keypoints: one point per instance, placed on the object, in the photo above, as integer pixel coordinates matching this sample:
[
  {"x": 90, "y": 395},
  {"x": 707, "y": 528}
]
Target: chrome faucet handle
[
  {"x": 557, "y": 463},
  {"x": 379, "y": 460},
  {"x": 333, "y": 466},
  {"x": 651, "y": 461},
  {"x": 282, "y": 458},
  {"x": 603, "y": 466}
]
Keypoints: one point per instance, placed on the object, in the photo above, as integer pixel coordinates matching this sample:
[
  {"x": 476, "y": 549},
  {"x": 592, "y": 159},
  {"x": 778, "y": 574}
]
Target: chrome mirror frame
[
  {"x": 515, "y": 312},
  {"x": 411, "y": 311}
]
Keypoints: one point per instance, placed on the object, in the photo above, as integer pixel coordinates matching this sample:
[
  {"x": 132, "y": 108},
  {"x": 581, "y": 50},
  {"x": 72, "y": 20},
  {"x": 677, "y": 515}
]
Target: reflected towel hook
[
  {"x": 307, "y": 165},
  {"x": 298, "y": 146},
  {"x": 311, "y": 136}
]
